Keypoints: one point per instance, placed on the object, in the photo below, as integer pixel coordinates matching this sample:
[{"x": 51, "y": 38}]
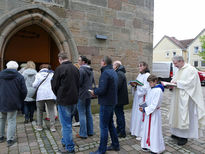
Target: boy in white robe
[{"x": 152, "y": 138}]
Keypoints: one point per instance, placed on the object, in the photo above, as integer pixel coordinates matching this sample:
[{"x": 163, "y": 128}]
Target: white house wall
[
  {"x": 194, "y": 56},
  {"x": 160, "y": 51}
]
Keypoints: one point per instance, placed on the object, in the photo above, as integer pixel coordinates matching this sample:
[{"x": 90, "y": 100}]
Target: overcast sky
[{"x": 183, "y": 19}]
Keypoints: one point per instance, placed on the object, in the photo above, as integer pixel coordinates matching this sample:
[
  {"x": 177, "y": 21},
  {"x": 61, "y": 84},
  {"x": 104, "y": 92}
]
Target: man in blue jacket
[
  {"x": 13, "y": 92},
  {"x": 107, "y": 98}
]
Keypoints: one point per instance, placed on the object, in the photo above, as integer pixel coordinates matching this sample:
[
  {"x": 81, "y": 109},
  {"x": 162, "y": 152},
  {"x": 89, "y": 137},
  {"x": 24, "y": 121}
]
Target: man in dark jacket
[
  {"x": 13, "y": 92},
  {"x": 84, "y": 107},
  {"x": 107, "y": 98},
  {"x": 122, "y": 98},
  {"x": 65, "y": 85}
]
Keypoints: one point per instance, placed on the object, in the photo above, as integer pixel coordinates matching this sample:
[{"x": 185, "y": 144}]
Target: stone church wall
[{"x": 127, "y": 25}]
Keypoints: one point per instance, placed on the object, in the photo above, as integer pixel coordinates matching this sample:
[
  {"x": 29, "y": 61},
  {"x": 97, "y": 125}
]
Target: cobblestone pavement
[{"x": 31, "y": 141}]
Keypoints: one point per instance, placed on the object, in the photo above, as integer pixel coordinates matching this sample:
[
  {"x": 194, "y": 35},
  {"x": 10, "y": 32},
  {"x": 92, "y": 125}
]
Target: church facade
[{"x": 39, "y": 29}]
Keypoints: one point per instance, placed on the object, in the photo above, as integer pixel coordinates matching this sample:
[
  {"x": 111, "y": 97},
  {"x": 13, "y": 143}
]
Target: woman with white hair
[{"x": 12, "y": 91}]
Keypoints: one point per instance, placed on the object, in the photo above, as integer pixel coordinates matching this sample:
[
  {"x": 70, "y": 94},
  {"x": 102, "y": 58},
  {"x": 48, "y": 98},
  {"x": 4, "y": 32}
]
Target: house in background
[
  {"x": 194, "y": 48},
  {"x": 169, "y": 47}
]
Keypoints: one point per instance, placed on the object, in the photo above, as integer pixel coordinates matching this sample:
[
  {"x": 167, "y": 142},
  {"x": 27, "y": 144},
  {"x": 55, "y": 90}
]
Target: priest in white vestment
[{"x": 187, "y": 109}]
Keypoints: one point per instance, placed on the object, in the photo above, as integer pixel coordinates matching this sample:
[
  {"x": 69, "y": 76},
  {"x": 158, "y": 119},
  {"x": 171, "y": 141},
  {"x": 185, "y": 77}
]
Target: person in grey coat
[{"x": 29, "y": 103}]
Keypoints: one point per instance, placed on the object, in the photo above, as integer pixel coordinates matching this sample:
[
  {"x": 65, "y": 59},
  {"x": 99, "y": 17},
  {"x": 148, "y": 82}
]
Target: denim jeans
[
  {"x": 65, "y": 116},
  {"x": 85, "y": 117},
  {"x": 106, "y": 123},
  {"x": 120, "y": 119},
  {"x": 29, "y": 108},
  {"x": 11, "y": 128}
]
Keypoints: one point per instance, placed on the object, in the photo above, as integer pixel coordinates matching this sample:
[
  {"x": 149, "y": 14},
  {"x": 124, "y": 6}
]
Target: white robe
[
  {"x": 153, "y": 101},
  {"x": 136, "y": 124},
  {"x": 187, "y": 109}
]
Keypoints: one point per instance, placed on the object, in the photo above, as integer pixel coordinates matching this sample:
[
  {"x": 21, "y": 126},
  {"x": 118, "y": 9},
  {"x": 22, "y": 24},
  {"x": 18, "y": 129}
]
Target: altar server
[
  {"x": 140, "y": 92},
  {"x": 152, "y": 138}
]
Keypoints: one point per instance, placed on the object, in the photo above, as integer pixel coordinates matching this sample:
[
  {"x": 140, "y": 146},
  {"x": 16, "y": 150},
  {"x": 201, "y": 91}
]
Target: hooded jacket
[
  {"x": 86, "y": 79},
  {"x": 12, "y": 90},
  {"x": 122, "y": 86},
  {"x": 29, "y": 76}
]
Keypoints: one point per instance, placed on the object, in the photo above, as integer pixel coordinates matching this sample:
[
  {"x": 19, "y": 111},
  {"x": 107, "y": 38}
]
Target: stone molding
[{"x": 22, "y": 17}]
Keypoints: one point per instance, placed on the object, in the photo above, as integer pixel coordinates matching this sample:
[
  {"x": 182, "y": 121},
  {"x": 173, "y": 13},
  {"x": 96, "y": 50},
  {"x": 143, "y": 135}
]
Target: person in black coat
[
  {"x": 13, "y": 91},
  {"x": 65, "y": 85},
  {"x": 122, "y": 98}
]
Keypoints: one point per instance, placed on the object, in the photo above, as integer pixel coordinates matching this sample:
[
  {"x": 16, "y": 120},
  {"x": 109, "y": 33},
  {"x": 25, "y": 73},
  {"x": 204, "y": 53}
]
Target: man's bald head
[{"x": 116, "y": 64}]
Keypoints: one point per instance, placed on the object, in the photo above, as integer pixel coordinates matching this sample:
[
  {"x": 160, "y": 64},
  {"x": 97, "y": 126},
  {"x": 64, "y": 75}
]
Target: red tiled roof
[{"x": 181, "y": 43}]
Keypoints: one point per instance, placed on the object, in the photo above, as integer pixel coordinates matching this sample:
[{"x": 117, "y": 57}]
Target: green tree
[{"x": 202, "y": 53}]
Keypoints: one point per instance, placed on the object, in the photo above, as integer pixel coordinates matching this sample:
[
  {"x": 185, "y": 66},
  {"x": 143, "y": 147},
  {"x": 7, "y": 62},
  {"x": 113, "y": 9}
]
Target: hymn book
[{"x": 136, "y": 83}]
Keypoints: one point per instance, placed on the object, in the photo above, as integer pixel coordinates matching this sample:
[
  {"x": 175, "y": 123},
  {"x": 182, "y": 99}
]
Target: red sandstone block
[
  {"x": 115, "y": 4},
  {"x": 84, "y": 50},
  {"x": 119, "y": 22}
]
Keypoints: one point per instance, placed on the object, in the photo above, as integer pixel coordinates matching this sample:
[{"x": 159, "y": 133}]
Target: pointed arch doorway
[
  {"x": 32, "y": 43},
  {"x": 40, "y": 28}
]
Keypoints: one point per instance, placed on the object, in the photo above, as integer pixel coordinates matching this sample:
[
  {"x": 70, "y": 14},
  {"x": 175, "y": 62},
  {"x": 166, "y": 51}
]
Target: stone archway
[{"x": 18, "y": 19}]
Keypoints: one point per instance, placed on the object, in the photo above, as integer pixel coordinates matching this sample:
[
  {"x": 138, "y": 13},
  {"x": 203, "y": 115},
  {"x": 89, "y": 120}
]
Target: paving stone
[
  {"x": 127, "y": 147},
  {"x": 170, "y": 149}
]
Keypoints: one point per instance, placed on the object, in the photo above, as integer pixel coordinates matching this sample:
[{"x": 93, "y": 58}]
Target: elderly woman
[
  {"x": 45, "y": 95},
  {"x": 29, "y": 103}
]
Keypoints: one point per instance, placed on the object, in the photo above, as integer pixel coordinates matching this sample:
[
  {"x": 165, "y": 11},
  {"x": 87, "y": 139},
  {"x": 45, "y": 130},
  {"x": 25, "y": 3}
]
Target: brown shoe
[{"x": 78, "y": 136}]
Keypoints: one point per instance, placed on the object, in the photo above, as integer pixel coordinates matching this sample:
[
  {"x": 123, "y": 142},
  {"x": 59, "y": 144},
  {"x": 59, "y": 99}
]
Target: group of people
[
  {"x": 187, "y": 108},
  {"x": 72, "y": 86},
  {"x": 111, "y": 83}
]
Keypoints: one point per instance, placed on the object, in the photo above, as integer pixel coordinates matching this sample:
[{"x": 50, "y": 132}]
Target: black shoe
[
  {"x": 182, "y": 141},
  {"x": 145, "y": 150},
  {"x": 121, "y": 135},
  {"x": 90, "y": 135},
  {"x": 111, "y": 148},
  {"x": 10, "y": 142},
  {"x": 174, "y": 137},
  {"x": 31, "y": 119},
  {"x": 2, "y": 139},
  {"x": 26, "y": 121},
  {"x": 64, "y": 151}
]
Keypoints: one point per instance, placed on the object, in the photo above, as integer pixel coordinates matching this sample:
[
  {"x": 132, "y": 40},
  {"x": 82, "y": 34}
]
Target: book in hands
[
  {"x": 143, "y": 105},
  {"x": 136, "y": 83},
  {"x": 168, "y": 84}
]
